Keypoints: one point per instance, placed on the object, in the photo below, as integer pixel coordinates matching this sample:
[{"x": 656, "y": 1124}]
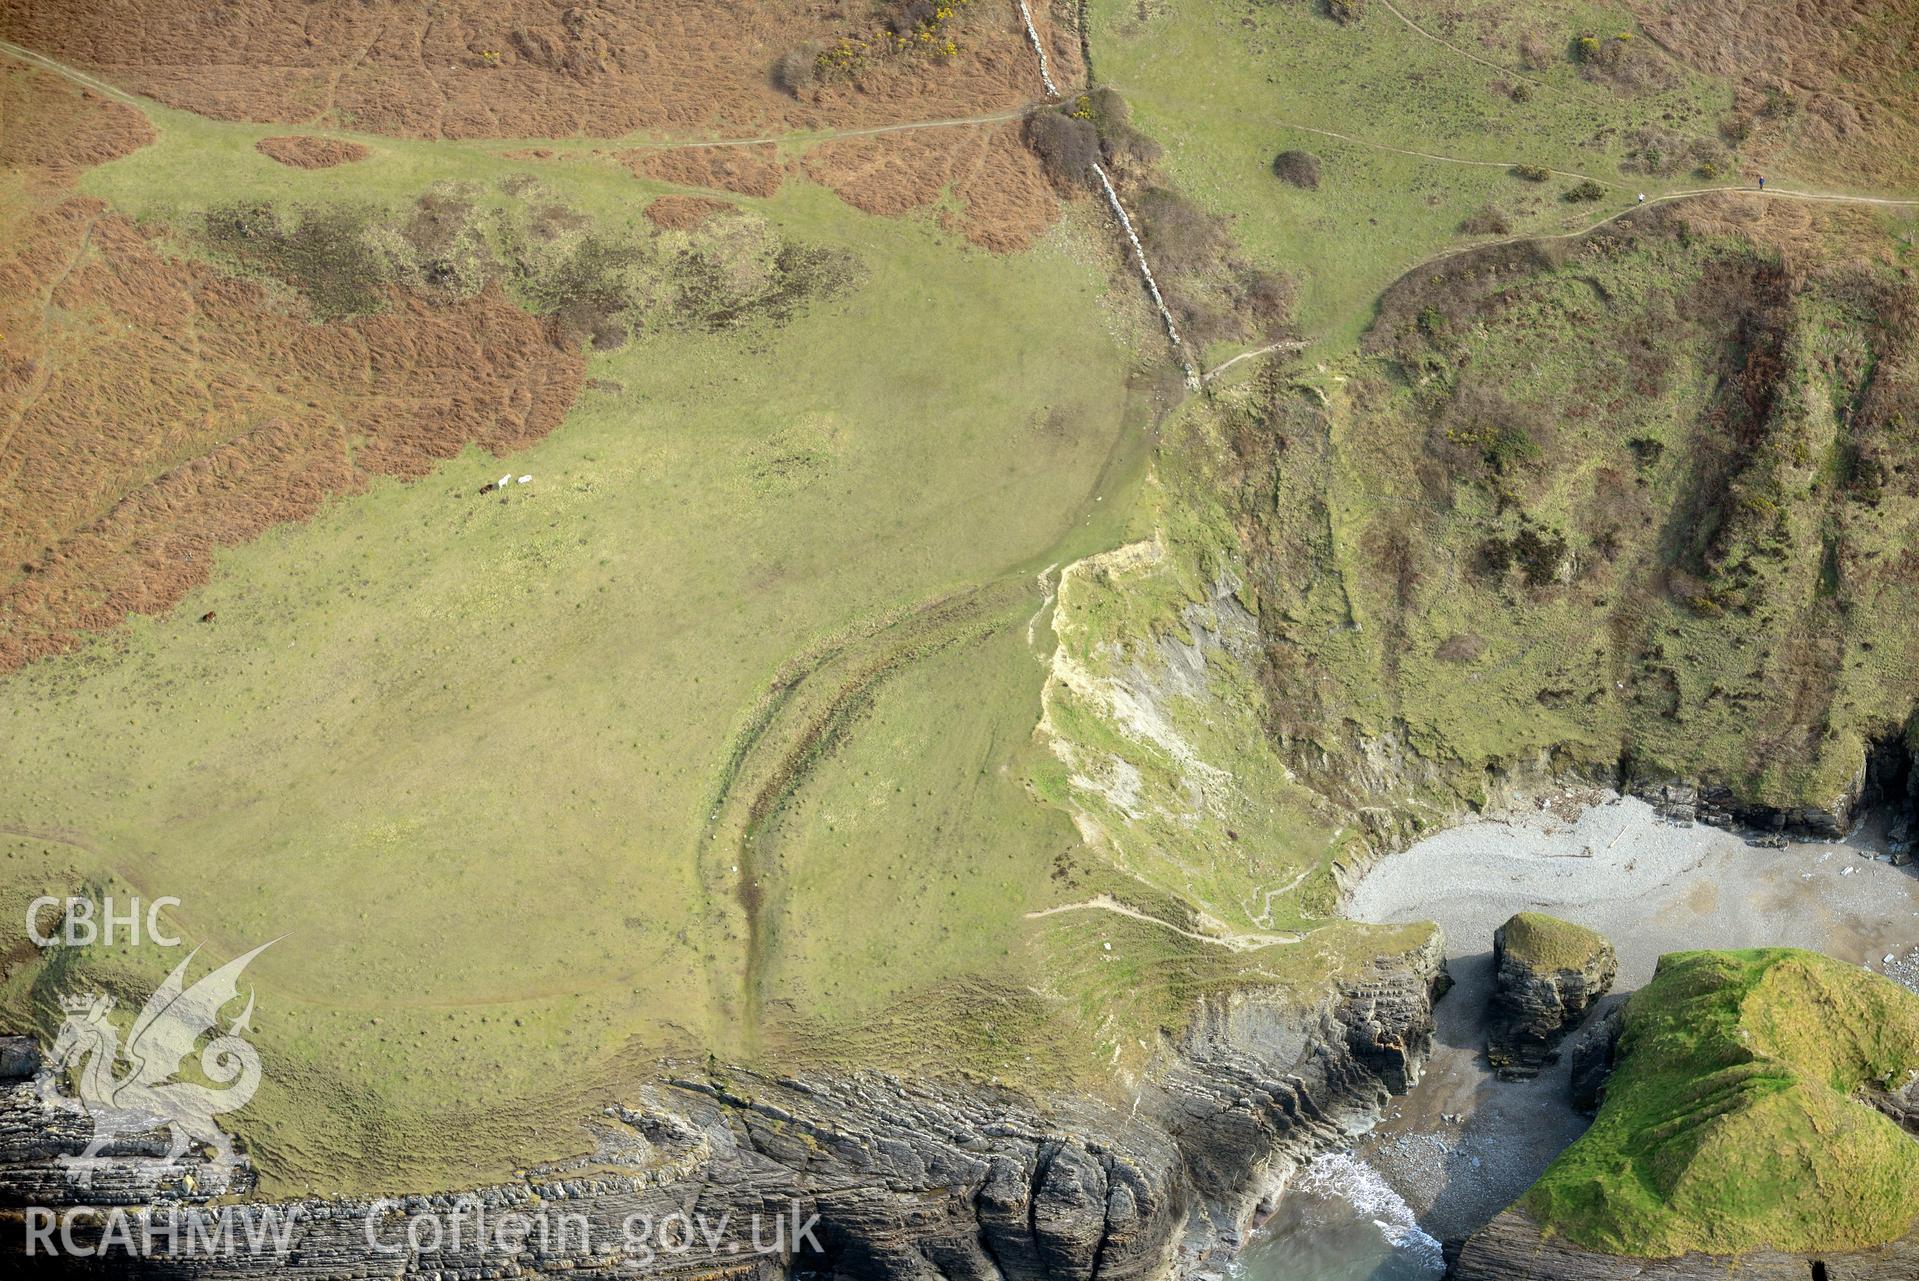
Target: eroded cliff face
[{"x": 907, "y": 1179}]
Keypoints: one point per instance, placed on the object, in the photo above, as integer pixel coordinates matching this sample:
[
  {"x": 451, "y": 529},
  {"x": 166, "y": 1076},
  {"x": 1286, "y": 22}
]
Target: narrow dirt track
[
  {"x": 1464, "y": 53},
  {"x": 72, "y": 73},
  {"x": 1232, "y": 942},
  {"x": 831, "y": 135}
]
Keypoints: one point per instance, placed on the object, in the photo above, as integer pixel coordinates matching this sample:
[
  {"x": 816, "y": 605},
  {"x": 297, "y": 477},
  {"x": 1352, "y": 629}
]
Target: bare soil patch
[
  {"x": 303, "y": 152},
  {"x": 530, "y": 68},
  {"x": 1005, "y": 201}
]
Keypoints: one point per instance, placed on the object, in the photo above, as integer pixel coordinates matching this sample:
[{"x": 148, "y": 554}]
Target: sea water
[{"x": 1339, "y": 1221}]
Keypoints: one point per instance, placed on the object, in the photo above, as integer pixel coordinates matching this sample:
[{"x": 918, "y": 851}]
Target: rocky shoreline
[
  {"x": 928, "y": 1181},
  {"x": 908, "y": 1180},
  {"x": 1512, "y": 1248}
]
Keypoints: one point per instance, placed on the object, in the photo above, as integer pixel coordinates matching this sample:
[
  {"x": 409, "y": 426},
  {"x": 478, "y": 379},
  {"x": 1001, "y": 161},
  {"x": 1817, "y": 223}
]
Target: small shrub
[
  {"x": 1299, "y": 168},
  {"x": 1267, "y": 299},
  {"x": 908, "y": 17},
  {"x": 1067, "y": 146},
  {"x": 1536, "y": 49},
  {"x": 1346, "y": 12},
  {"x": 1494, "y": 558},
  {"x": 1542, "y": 557},
  {"x": 1105, "y": 107},
  {"x": 1521, "y": 92},
  {"x": 1508, "y": 446},
  {"x": 1119, "y": 141},
  {"x": 1177, "y": 231},
  {"x": 797, "y": 70},
  {"x": 1646, "y": 451},
  {"x": 1583, "y": 192},
  {"x": 1708, "y": 170},
  {"x": 1532, "y": 173}
]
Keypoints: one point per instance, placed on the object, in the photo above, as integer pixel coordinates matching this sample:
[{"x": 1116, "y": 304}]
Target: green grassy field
[
  {"x": 716, "y": 738},
  {"x": 1224, "y": 86},
  {"x": 1728, "y": 1124},
  {"x": 460, "y": 751}
]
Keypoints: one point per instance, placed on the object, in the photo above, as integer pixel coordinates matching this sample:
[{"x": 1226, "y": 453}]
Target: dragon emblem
[{"x": 134, "y": 1089}]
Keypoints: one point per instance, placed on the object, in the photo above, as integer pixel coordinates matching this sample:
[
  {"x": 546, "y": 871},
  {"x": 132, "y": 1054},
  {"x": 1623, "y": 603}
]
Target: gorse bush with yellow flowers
[{"x": 907, "y": 28}]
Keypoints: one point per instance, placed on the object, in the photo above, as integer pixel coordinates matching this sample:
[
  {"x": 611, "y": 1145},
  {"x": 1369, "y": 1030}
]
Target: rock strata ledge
[
  {"x": 911, "y": 1181},
  {"x": 1512, "y": 1248}
]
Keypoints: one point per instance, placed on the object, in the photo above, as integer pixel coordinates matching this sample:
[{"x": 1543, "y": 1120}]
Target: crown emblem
[{"x": 73, "y": 1004}]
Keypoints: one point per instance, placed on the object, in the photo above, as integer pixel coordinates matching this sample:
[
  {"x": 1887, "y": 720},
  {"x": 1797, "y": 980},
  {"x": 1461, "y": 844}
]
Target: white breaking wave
[{"x": 1347, "y": 1178}]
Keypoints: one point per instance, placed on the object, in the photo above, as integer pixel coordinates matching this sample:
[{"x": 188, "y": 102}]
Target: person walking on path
[{"x": 1762, "y": 182}]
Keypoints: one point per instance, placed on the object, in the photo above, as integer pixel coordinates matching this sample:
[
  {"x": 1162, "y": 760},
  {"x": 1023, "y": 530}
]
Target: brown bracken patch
[
  {"x": 1826, "y": 83},
  {"x": 529, "y": 68},
  {"x": 1800, "y": 233},
  {"x": 746, "y": 171},
  {"x": 1005, "y": 200},
  {"x": 153, "y": 410},
  {"x": 683, "y": 213},
  {"x": 53, "y": 126},
  {"x": 310, "y": 153}
]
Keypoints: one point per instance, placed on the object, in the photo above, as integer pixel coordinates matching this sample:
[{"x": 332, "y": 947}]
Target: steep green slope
[
  {"x": 1635, "y": 501},
  {"x": 1732, "y": 1122}
]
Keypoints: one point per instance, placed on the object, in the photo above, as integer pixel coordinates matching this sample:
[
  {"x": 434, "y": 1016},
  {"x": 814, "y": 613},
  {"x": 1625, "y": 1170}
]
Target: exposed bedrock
[
  {"x": 1548, "y": 973},
  {"x": 1593, "y": 1057},
  {"x": 909, "y": 1180},
  {"x": 1511, "y": 1248},
  {"x": 1886, "y": 786}
]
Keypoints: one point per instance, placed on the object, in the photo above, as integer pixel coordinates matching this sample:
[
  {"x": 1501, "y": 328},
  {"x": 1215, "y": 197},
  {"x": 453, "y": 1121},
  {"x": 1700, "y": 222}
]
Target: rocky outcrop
[
  {"x": 1887, "y": 780},
  {"x": 868, "y": 1176},
  {"x": 1900, "y": 1103},
  {"x": 1754, "y": 1048},
  {"x": 1593, "y": 1059},
  {"x": 1548, "y": 973},
  {"x": 1512, "y": 1248}
]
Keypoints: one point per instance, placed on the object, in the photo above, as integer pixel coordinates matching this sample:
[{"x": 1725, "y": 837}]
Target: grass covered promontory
[
  {"x": 1548, "y": 943},
  {"x": 1734, "y": 1120}
]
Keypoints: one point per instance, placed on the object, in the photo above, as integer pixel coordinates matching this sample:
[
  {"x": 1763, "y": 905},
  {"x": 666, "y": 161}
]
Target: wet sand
[{"x": 1464, "y": 1145}]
